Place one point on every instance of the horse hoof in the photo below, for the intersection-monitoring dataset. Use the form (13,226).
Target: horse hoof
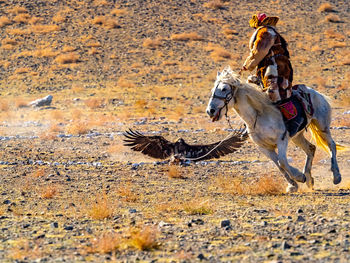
(301,178)
(292,188)
(337,179)
(310,183)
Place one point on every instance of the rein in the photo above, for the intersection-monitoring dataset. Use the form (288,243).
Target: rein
(226,100)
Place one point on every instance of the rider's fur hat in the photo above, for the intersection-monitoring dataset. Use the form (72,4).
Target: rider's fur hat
(261,19)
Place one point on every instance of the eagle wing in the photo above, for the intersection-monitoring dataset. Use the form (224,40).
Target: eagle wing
(217,149)
(153,146)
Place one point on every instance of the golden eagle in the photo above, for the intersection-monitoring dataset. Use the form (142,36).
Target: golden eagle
(159,147)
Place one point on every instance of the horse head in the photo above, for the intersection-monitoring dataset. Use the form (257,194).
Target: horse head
(222,94)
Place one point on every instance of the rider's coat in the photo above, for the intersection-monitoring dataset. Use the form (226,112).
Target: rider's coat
(268,52)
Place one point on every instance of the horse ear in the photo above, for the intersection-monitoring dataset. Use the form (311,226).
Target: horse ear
(218,74)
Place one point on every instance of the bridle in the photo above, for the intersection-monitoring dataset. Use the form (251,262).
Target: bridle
(226,99)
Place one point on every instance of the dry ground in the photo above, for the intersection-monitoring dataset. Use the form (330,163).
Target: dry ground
(71,192)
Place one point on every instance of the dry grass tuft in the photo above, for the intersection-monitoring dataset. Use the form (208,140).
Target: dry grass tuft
(119,12)
(105,243)
(144,239)
(266,184)
(198,207)
(218,53)
(4,21)
(325,7)
(106,22)
(174,172)
(67,58)
(39,172)
(21,103)
(44,29)
(18,10)
(229,33)
(151,43)
(192,36)
(22,70)
(23,251)
(124,83)
(94,103)
(22,18)
(125,191)
(101,208)
(214,4)
(4,105)
(330,33)
(48,192)
(78,128)
(332,19)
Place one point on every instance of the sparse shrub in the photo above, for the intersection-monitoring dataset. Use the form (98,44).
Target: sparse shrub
(67,58)
(192,36)
(214,4)
(151,43)
(332,19)
(101,208)
(144,239)
(325,7)
(106,22)
(105,243)
(4,21)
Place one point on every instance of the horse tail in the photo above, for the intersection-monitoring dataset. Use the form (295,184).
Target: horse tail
(320,140)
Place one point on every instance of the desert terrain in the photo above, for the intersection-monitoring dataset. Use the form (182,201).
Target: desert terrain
(71,192)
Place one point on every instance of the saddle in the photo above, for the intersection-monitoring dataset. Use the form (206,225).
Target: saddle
(296,110)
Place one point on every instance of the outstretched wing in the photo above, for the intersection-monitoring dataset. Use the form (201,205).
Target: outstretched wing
(217,149)
(154,146)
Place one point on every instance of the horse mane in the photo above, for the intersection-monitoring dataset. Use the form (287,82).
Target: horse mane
(259,99)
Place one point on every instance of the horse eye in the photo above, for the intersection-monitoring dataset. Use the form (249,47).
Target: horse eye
(224,89)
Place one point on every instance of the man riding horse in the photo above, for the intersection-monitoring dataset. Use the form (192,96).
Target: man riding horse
(269,53)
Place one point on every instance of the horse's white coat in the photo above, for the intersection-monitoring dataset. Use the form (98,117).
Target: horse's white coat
(266,127)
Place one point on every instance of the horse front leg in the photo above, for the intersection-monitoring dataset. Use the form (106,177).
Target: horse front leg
(309,150)
(283,162)
(292,185)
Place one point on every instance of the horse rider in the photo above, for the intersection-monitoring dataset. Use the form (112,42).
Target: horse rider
(269,54)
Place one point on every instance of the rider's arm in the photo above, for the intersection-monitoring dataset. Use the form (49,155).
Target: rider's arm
(265,39)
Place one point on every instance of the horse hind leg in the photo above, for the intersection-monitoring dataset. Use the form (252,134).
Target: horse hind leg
(309,149)
(323,136)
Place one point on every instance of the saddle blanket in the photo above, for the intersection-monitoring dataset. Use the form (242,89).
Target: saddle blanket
(293,114)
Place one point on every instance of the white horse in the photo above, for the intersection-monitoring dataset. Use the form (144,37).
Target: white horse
(267,129)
